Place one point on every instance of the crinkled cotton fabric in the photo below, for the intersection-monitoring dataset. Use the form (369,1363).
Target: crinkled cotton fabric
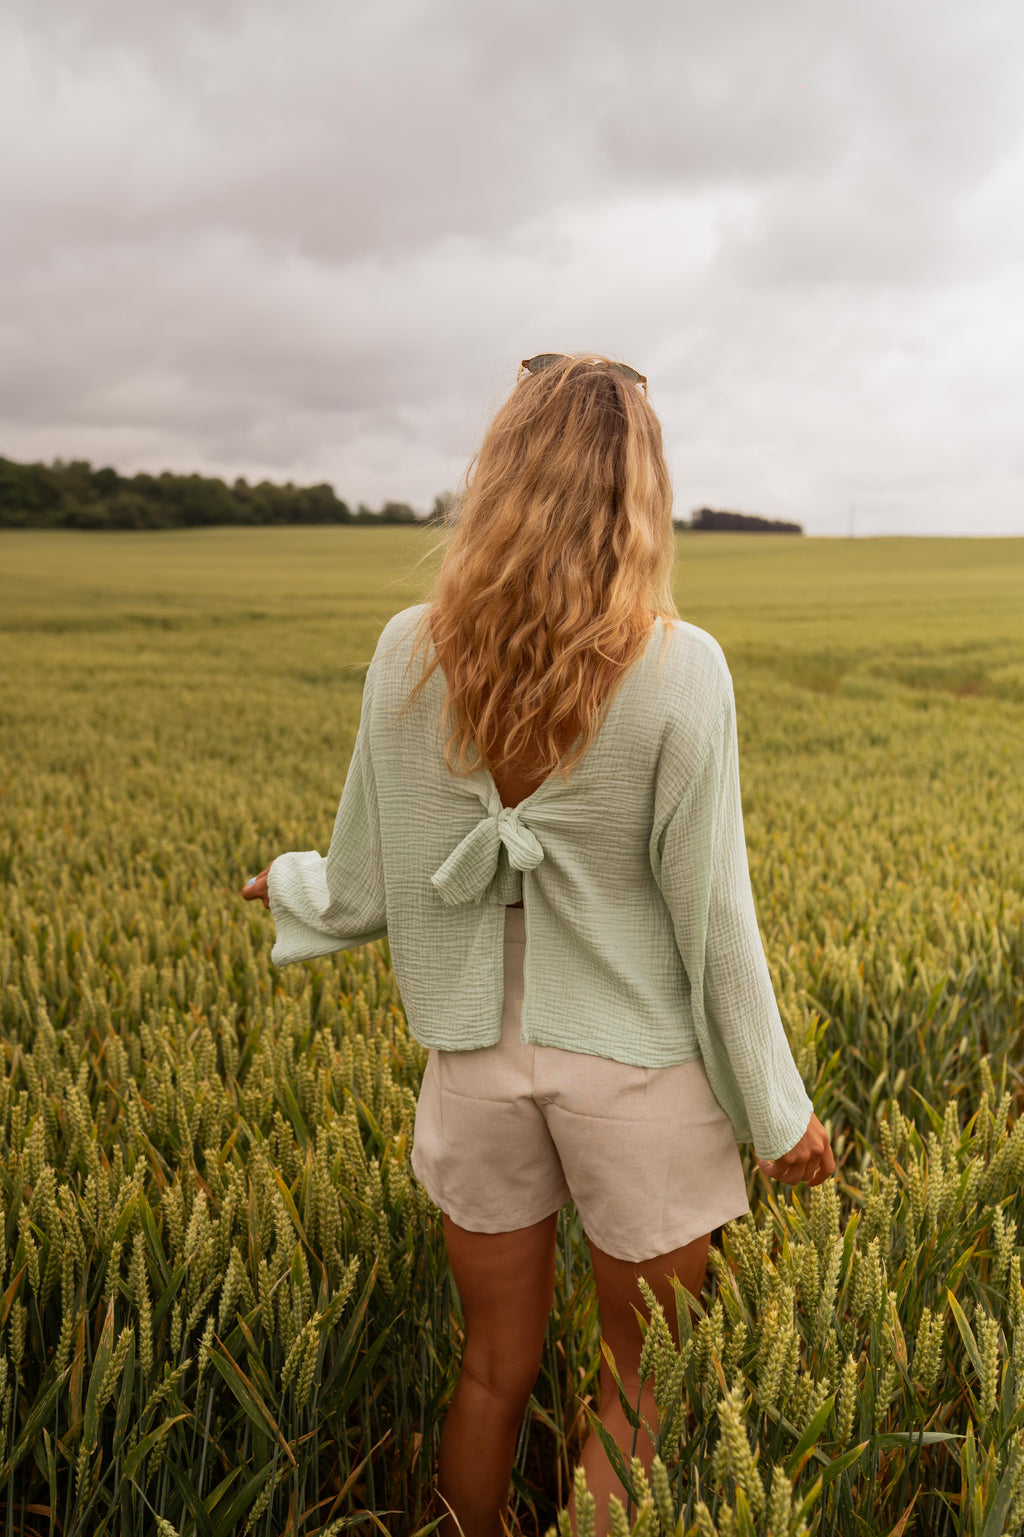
(642,942)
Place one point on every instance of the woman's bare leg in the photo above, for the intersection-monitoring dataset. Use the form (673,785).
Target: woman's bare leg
(506,1283)
(617,1295)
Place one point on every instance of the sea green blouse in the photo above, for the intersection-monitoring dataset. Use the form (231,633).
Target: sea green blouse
(642,942)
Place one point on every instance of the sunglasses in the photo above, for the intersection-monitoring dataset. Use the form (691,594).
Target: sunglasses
(546,359)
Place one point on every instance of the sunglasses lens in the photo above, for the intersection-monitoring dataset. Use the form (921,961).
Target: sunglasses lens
(542,360)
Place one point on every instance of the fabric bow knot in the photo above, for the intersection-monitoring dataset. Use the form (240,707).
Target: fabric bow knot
(472,864)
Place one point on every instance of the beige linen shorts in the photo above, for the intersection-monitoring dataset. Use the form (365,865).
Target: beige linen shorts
(507,1134)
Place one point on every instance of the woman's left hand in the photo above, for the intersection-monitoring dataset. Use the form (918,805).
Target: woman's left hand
(257,887)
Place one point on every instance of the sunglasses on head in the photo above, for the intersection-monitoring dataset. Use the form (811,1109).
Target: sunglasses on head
(544,360)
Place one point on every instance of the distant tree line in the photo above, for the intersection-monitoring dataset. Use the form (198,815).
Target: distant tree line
(74,495)
(706,521)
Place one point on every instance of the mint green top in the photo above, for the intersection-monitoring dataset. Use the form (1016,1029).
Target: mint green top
(641,937)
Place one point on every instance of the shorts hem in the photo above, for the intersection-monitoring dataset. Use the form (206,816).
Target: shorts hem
(508,1224)
(667,1246)
(505,1224)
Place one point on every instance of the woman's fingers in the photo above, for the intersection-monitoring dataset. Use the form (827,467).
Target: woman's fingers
(810,1162)
(810,1171)
(256,888)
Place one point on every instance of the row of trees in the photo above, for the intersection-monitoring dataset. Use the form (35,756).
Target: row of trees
(707,521)
(74,495)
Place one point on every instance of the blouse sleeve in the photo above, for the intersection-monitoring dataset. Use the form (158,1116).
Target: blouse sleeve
(705,880)
(320,905)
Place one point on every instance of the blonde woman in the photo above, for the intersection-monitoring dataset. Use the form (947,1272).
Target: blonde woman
(542,813)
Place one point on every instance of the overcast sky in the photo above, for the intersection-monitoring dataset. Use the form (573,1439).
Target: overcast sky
(311,241)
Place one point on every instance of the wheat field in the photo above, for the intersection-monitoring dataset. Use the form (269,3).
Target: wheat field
(225,1305)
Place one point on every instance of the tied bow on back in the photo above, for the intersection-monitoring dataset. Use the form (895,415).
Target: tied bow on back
(472,864)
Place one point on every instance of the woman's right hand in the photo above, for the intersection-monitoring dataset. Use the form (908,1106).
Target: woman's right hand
(811,1160)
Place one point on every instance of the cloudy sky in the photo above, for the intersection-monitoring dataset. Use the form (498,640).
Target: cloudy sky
(312,241)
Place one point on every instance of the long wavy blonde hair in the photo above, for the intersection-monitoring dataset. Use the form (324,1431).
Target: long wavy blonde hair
(559,557)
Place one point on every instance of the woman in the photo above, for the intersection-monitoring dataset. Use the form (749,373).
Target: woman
(546,823)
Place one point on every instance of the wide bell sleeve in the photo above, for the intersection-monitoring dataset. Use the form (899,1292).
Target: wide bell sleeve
(324,904)
(701,863)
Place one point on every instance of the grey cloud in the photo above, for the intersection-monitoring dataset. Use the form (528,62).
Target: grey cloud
(364,128)
(313,240)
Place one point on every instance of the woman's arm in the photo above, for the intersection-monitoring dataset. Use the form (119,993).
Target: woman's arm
(705,880)
(324,904)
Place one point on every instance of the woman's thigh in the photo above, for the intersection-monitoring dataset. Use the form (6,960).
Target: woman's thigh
(618,1294)
(506,1284)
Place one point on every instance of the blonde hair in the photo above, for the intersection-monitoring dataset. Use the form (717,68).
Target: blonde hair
(560,556)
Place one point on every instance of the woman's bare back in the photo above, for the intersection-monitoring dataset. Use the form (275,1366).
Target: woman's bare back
(514,785)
